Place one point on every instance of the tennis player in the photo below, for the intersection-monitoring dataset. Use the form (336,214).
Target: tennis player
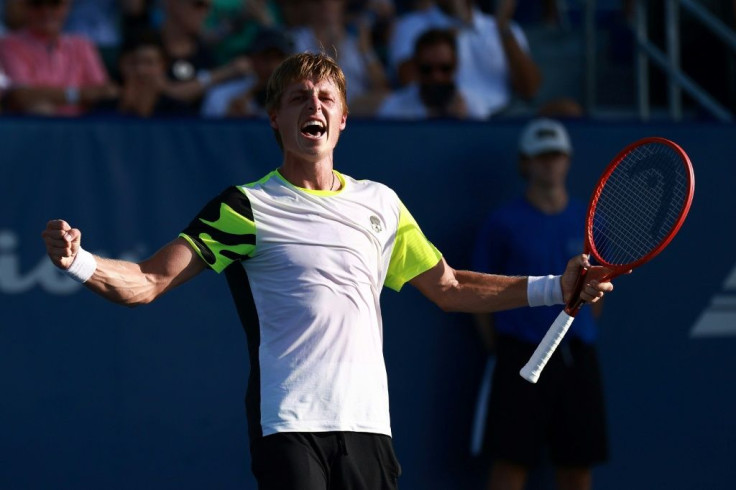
(306,251)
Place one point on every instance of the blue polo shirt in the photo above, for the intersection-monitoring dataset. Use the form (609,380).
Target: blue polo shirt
(518,239)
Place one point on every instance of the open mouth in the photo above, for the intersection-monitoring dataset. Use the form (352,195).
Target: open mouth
(313,129)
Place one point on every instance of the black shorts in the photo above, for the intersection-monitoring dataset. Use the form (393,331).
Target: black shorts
(322,460)
(562,415)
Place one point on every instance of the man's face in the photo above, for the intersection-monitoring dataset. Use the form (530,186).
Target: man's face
(435,64)
(150,66)
(548,169)
(47,17)
(309,118)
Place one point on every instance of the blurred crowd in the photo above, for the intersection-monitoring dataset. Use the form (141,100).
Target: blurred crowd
(410,59)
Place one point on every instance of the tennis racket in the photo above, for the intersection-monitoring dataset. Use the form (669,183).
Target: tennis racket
(637,207)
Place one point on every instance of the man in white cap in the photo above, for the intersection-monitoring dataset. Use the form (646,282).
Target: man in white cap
(563,415)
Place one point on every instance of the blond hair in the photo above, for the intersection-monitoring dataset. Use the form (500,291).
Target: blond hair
(304,66)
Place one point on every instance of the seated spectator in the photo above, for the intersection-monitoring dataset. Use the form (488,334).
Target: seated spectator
(142,68)
(247,96)
(52,73)
(327,31)
(434,93)
(108,22)
(493,52)
(192,67)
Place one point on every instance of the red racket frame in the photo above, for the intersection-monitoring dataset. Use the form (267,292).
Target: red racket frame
(589,247)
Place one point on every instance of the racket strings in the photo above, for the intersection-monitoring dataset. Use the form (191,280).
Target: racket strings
(629,221)
(639,204)
(628,209)
(631,228)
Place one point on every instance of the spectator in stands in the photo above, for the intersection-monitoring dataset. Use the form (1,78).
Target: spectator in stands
(137,17)
(13,13)
(379,17)
(563,414)
(98,21)
(232,25)
(52,73)
(327,30)
(142,67)
(108,23)
(247,96)
(434,93)
(493,52)
(192,69)
(291,12)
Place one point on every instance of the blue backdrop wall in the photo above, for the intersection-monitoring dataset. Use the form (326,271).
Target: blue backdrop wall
(93,395)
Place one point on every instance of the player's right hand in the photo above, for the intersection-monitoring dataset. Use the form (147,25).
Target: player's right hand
(62,242)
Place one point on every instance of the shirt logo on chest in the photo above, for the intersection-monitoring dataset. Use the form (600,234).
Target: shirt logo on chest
(376,224)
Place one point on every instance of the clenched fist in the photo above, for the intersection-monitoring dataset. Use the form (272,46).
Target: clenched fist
(62,242)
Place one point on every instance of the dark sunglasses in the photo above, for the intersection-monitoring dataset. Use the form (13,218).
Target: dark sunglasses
(46,3)
(428,68)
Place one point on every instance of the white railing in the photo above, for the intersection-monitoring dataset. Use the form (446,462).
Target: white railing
(669,62)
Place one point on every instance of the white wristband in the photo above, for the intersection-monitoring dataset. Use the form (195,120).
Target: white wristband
(544,291)
(83,266)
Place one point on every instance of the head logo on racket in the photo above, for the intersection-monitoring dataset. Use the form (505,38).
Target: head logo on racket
(637,207)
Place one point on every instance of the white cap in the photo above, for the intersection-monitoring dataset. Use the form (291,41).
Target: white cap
(544,135)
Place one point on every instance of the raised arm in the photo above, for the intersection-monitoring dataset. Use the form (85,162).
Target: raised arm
(473,292)
(526,77)
(37,99)
(123,282)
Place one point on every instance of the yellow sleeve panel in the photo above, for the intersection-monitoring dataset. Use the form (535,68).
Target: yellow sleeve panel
(412,253)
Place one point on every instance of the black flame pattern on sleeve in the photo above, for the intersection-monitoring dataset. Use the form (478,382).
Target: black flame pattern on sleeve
(227,238)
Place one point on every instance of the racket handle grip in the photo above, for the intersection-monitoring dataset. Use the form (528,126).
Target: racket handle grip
(546,347)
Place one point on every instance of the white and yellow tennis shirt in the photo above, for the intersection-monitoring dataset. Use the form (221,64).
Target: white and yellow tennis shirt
(306,269)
